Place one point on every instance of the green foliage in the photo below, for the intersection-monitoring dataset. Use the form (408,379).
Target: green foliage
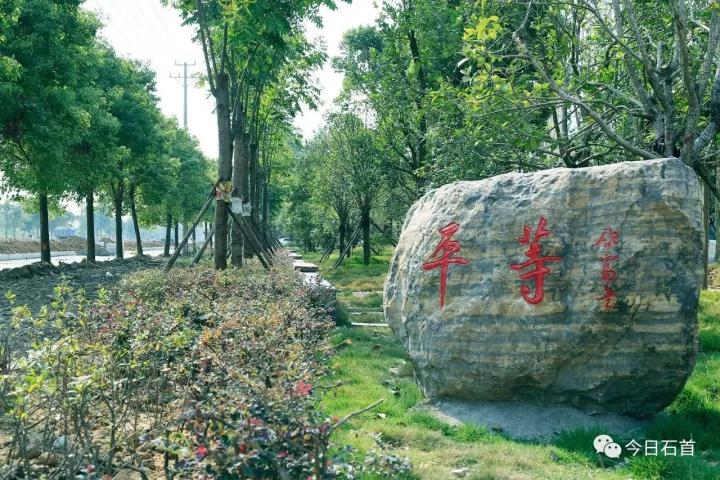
(75,119)
(47,105)
(336,177)
(179,180)
(198,373)
(467,90)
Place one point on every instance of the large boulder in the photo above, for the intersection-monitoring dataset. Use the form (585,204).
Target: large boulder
(567,286)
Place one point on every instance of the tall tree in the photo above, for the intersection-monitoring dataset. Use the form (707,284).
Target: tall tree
(42,112)
(240,60)
(615,81)
(394,69)
(139,139)
(355,147)
(92,159)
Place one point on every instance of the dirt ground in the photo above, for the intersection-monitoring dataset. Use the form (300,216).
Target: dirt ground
(35,287)
(32,246)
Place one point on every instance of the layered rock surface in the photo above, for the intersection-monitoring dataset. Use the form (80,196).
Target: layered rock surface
(611,326)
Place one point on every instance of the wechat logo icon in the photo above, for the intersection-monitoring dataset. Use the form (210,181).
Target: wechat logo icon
(604,444)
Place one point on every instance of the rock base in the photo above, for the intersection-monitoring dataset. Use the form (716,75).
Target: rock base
(528,421)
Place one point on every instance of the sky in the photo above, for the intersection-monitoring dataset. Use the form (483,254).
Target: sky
(146,30)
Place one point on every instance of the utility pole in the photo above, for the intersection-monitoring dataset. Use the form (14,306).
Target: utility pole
(184,77)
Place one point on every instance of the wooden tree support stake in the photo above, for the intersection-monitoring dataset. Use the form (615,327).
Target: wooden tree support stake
(251,238)
(377,227)
(205,244)
(262,239)
(328,251)
(348,246)
(185,239)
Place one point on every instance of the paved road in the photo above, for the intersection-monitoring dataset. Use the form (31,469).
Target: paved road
(6,264)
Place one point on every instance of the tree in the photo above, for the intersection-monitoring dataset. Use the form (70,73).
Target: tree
(42,112)
(93,157)
(240,61)
(12,217)
(332,185)
(618,81)
(355,147)
(394,70)
(139,157)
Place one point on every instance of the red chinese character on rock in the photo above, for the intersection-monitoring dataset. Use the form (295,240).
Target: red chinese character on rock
(608,240)
(444,255)
(533,254)
(608,274)
(608,298)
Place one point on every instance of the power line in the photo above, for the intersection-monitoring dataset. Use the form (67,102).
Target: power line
(115,18)
(139,18)
(158,15)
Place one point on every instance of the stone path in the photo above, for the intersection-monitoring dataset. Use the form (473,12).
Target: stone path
(374,313)
(304,267)
(310,274)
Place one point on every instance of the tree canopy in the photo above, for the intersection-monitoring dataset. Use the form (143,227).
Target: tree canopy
(77,121)
(465,90)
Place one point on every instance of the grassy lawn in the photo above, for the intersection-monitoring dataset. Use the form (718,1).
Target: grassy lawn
(371,365)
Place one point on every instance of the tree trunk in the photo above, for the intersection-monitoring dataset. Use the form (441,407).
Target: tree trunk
(185,231)
(44,229)
(224,169)
(168,234)
(240,189)
(266,204)
(343,233)
(706,228)
(366,234)
(177,240)
(419,103)
(90,221)
(717,218)
(136,224)
(118,221)
(253,171)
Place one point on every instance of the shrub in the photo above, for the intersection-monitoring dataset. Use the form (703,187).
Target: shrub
(195,374)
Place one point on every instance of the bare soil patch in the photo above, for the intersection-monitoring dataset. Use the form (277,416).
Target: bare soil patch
(34,284)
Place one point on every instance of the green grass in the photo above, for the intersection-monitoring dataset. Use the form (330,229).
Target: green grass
(372,364)
(372,300)
(353,276)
